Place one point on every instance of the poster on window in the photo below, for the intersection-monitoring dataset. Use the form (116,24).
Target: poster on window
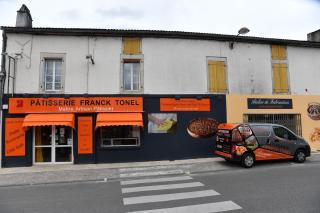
(162,122)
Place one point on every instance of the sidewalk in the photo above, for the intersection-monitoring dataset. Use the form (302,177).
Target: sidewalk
(47,174)
(66,173)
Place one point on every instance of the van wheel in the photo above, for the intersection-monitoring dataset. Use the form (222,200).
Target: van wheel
(300,156)
(247,160)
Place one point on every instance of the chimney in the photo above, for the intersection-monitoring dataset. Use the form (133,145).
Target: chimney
(314,36)
(24,18)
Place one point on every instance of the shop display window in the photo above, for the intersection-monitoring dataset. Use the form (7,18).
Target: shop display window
(119,136)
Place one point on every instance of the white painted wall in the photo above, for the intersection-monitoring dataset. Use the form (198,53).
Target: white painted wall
(171,66)
(304,70)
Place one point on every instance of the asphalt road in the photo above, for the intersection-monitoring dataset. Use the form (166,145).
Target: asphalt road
(268,187)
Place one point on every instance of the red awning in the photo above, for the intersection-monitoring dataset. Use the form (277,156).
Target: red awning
(48,120)
(119,119)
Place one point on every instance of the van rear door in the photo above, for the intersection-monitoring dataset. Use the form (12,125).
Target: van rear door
(223,142)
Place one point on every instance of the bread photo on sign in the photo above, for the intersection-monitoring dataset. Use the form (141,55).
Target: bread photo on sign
(202,127)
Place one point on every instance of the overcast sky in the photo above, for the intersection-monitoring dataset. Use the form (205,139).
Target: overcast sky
(289,19)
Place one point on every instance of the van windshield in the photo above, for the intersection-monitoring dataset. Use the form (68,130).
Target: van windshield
(261,131)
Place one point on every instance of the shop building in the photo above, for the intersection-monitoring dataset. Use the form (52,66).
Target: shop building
(95,95)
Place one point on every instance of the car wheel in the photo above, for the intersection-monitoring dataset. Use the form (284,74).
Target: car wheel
(300,156)
(247,160)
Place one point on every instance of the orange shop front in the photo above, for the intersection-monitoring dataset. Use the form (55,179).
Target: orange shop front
(58,130)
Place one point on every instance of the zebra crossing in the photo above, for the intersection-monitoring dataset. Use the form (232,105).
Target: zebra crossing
(149,194)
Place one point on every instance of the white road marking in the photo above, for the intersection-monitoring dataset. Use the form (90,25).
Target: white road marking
(155,173)
(155,180)
(161,187)
(201,208)
(169,197)
(122,170)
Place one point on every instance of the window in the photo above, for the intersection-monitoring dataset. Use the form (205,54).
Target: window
(119,136)
(131,75)
(280,78)
(131,46)
(283,133)
(261,131)
(279,69)
(52,73)
(217,77)
(131,66)
(279,52)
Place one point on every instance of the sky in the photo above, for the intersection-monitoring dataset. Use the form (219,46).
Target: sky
(287,19)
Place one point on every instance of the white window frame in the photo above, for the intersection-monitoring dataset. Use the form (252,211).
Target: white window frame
(51,56)
(124,59)
(215,58)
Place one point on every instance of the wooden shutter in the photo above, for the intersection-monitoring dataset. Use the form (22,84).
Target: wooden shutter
(279,52)
(131,46)
(280,78)
(217,76)
(284,78)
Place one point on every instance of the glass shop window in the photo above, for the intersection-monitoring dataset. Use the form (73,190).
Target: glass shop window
(119,136)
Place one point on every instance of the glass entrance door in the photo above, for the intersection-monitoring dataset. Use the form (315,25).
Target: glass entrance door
(53,144)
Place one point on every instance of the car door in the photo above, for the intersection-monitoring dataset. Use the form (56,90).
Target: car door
(282,140)
(262,133)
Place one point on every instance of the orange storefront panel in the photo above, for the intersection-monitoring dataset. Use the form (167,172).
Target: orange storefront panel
(185,104)
(15,144)
(85,143)
(75,105)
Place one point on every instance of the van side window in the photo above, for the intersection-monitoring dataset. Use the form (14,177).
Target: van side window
(261,131)
(283,133)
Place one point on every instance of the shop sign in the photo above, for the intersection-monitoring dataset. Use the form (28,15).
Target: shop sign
(85,145)
(269,103)
(185,104)
(76,105)
(14,137)
(314,111)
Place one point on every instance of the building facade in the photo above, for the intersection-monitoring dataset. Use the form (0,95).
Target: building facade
(94,95)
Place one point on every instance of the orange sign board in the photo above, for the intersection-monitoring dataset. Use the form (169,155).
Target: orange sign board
(15,144)
(185,104)
(76,104)
(85,144)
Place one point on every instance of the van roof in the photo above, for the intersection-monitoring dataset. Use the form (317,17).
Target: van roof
(234,125)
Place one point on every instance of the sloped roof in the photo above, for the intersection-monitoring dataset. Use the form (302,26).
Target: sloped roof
(156,34)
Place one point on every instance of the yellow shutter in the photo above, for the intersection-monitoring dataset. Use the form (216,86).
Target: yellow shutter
(284,78)
(131,46)
(280,78)
(282,53)
(217,76)
(274,51)
(212,72)
(278,52)
(276,78)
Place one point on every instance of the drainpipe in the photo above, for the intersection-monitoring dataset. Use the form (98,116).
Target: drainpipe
(2,83)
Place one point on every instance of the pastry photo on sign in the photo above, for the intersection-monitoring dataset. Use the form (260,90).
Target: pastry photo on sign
(162,122)
(202,127)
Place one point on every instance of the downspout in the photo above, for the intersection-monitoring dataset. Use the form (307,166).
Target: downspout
(2,84)
(3,67)
(88,67)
